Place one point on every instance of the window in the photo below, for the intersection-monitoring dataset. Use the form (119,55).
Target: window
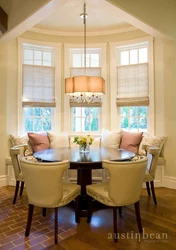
(38,99)
(86,119)
(37,119)
(85,116)
(134,118)
(133,86)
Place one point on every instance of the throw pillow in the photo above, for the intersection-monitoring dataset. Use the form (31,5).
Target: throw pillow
(96,143)
(157,141)
(130,141)
(58,140)
(38,141)
(110,138)
(21,140)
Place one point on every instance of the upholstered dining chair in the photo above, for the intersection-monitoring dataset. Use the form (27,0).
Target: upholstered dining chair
(122,189)
(15,153)
(45,188)
(153,156)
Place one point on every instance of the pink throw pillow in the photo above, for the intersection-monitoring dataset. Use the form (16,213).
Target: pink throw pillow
(130,141)
(38,141)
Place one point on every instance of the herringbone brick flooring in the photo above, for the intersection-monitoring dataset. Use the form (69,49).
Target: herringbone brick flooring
(13,223)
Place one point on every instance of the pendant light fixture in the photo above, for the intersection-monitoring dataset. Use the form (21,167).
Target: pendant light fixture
(84,88)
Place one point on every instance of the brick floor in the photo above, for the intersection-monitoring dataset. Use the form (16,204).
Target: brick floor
(13,223)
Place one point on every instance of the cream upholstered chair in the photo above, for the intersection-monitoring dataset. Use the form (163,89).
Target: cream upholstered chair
(153,156)
(123,188)
(46,189)
(15,153)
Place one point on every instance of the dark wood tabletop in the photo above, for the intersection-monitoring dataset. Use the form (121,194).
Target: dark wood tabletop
(95,155)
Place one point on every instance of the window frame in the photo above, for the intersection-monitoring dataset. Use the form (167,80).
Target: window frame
(56,112)
(85,132)
(130,117)
(68,64)
(114,61)
(81,51)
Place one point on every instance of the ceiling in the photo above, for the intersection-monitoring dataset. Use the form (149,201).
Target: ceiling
(66,17)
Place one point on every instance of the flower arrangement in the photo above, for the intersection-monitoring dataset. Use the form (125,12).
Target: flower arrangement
(83,141)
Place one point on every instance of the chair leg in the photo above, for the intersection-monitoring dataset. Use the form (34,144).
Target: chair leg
(16,191)
(120,210)
(89,216)
(21,188)
(115,223)
(153,192)
(44,211)
(29,219)
(148,188)
(56,226)
(77,215)
(138,216)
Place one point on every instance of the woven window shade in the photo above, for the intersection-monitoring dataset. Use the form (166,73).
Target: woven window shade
(132,86)
(38,86)
(90,72)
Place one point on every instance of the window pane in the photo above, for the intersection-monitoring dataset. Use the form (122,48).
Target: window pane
(37,57)
(94,60)
(133,124)
(47,57)
(143,57)
(95,111)
(28,124)
(37,124)
(46,111)
(37,111)
(28,111)
(86,111)
(94,124)
(124,123)
(133,56)
(77,124)
(76,60)
(142,111)
(133,111)
(85,124)
(28,56)
(47,123)
(124,111)
(143,124)
(124,57)
(77,111)
(86,119)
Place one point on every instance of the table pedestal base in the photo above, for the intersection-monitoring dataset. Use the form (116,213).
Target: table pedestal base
(84,178)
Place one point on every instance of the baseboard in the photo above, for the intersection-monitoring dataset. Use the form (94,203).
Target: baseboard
(3,180)
(169,182)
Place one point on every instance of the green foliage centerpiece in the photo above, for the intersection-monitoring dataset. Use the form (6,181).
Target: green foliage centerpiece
(84,142)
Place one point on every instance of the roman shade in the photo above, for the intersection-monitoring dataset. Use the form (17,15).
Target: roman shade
(38,86)
(132,85)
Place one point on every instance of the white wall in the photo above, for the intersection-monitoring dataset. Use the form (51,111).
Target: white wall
(3,98)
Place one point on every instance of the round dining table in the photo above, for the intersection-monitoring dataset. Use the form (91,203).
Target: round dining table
(84,163)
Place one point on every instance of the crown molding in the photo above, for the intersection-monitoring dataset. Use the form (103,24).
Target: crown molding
(93,33)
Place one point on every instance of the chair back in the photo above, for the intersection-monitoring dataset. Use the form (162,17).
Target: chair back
(126,180)
(44,181)
(15,152)
(153,156)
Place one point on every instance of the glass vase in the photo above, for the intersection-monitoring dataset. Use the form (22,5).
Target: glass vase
(84,148)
